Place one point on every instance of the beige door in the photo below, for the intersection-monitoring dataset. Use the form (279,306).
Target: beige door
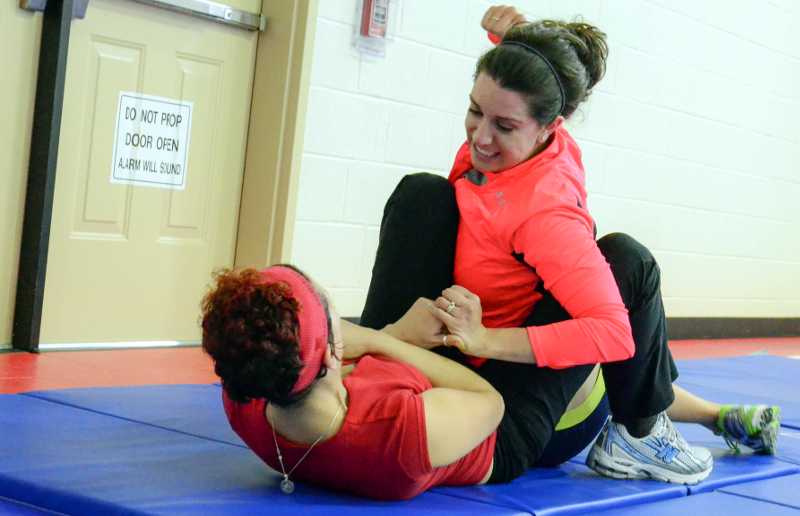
(130,263)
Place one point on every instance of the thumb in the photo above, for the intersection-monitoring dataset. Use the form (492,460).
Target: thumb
(454,341)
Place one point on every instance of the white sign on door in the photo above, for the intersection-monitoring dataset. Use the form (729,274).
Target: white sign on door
(151,143)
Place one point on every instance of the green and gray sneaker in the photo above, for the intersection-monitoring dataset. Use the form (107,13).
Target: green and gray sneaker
(754,426)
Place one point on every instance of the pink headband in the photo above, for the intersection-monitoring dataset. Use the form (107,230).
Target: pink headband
(312,318)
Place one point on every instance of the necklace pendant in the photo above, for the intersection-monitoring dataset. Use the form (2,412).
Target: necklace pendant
(287,486)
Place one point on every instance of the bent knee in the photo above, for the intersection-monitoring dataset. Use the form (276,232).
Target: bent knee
(426,184)
(623,248)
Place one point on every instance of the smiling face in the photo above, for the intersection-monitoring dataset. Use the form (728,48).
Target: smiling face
(500,130)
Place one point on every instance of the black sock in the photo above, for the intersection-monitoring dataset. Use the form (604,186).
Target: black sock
(639,426)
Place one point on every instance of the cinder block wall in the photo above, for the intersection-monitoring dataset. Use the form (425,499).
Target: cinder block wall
(691,142)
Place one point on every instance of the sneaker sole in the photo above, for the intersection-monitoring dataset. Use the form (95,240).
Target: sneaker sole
(615,467)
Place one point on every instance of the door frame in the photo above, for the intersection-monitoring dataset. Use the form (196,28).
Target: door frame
(275,136)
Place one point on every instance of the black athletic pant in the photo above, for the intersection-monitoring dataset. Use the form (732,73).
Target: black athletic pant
(415,259)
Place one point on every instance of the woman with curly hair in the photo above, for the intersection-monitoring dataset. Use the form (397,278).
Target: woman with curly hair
(382,428)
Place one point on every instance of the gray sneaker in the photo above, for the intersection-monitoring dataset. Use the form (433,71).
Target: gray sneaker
(661,455)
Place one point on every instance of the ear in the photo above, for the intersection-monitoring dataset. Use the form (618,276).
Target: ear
(553,126)
(330,361)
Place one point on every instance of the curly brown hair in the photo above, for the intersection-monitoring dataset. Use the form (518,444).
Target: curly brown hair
(251,331)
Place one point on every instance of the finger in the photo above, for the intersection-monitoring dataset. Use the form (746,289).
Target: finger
(444,304)
(466,293)
(460,299)
(519,19)
(458,306)
(455,295)
(488,17)
(454,341)
(504,18)
(461,290)
(442,315)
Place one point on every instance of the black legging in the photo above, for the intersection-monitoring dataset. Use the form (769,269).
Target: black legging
(415,259)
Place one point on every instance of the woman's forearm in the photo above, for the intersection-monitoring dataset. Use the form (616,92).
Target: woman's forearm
(508,345)
(441,372)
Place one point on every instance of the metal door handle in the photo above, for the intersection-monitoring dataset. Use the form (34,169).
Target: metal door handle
(213,11)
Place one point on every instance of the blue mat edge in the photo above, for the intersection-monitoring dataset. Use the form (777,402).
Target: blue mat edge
(697,489)
(588,507)
(26,505)
(772,502)
(11,488)
(35,395)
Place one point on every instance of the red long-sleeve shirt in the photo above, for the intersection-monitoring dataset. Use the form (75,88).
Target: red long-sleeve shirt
(529,224)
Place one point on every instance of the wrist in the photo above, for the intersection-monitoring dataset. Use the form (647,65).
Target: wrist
(485,342)
(395,331)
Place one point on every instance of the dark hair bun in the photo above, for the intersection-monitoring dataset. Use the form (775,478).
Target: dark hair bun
(590,44)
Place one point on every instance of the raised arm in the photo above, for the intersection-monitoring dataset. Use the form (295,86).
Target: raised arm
(461,410)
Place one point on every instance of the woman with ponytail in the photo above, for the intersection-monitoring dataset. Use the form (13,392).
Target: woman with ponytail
(498,267)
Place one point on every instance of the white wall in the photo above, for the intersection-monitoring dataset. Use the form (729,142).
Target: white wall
(691,142)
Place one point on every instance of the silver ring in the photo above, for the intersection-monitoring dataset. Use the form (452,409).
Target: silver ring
(444,340)
(451,308)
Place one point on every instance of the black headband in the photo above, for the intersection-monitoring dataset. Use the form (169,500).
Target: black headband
(549,65)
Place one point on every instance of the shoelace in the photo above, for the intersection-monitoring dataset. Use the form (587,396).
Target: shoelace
(675,439)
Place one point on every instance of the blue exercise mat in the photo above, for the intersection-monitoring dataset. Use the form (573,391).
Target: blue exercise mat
(789,445)
(203,416)
(568,489)
(75,461)
(169,449)
(752,379)
(711,504)
(193,409)
(12,508)
(196,410)
(782,490)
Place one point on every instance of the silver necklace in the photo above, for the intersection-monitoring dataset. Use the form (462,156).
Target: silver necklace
(287,486)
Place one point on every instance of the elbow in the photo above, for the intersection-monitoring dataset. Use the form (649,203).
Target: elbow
(615,341)
(499,406)
(626,347)
(626,334)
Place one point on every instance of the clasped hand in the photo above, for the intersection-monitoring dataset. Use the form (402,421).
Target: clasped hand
(461,313)
(453,319)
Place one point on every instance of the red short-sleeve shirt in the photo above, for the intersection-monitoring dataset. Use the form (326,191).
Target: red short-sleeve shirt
(381,450)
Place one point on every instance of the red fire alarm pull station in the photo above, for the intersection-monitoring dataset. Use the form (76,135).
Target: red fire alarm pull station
(374,17)
(371,28)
